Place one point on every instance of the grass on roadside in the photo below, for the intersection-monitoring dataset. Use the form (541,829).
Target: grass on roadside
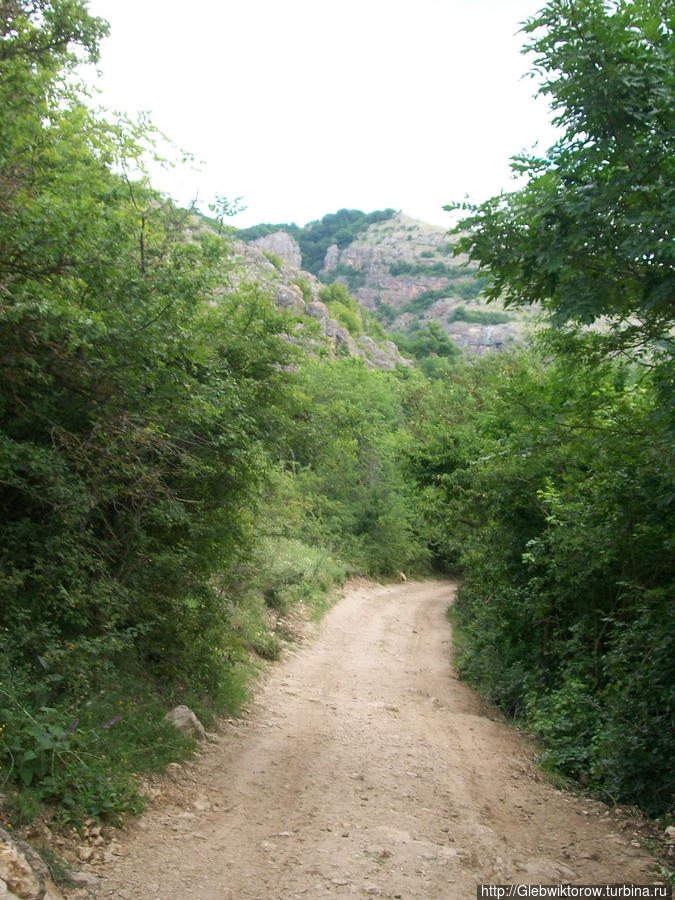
(83,749)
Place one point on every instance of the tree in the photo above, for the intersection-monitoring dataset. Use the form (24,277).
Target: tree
(344,451)
(137,402)
(590,236)
(548,485)
(552,492)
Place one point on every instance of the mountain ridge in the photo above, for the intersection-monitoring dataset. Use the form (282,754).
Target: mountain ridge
(404,273)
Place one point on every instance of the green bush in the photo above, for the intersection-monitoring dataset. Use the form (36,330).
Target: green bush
(634,734)
(546,484)
(85,756)
(305,288)
(426,342)
(480,316)
(343,307)
(274,258)
(551,481)
(138,418)
(345,488)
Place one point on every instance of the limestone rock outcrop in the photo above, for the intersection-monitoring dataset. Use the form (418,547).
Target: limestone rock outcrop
(399,269)
(396,261)
(23,873)
(332,257)
(186,721)
(283,245)
(298,291)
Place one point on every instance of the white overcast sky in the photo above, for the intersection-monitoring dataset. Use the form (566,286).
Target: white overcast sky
(302,107)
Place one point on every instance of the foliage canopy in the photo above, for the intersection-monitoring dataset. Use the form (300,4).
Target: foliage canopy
(548,485)
(590,236)
(138,405)
(547,478)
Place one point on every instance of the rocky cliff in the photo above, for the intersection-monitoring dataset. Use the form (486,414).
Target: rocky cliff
(280,244)
(403,271)
(399,269)
(271,263)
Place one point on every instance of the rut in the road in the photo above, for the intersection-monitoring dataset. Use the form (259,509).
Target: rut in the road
(366,769)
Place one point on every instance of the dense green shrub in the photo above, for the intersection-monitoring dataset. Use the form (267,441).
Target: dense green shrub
(274,258)
(343,487)
(138,413)
(305,288)
(546,484)
(343,307)
(554,491)
(86,755)
(480,316)
(426,342)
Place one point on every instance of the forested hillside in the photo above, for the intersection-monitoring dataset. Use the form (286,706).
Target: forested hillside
(182,458)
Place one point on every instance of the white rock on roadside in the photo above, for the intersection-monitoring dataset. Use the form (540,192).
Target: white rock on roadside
(185,720)
(23,874)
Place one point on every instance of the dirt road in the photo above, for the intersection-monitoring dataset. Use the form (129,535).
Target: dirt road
(365,769)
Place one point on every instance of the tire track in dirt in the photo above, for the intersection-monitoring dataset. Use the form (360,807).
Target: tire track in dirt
(365,768)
